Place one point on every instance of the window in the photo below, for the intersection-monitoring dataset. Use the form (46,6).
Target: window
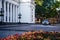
(15,13)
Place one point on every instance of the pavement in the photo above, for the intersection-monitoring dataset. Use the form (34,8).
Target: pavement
(6,30)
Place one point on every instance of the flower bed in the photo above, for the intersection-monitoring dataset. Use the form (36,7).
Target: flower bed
(34,35)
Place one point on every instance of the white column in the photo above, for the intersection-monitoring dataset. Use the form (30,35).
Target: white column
(0,13)
(16,14)
(0,4)
(11,13)
(5,12)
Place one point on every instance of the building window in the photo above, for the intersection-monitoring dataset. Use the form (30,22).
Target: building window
(32,17)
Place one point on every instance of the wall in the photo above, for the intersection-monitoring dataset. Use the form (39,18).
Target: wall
(27,10)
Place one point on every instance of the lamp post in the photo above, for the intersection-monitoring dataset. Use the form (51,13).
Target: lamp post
(19,12)
(19,17)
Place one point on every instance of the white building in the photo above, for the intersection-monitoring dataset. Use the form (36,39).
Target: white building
(27,10)
(9,11)
(12,9)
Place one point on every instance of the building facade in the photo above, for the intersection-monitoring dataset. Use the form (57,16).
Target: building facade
(27,10)
(11,10)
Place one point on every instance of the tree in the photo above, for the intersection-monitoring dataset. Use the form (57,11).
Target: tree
(39,7)
(39,2)
(47,8)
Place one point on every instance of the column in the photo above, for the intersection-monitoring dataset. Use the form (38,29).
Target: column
(0,8)
(7,12)
(0,4)
(11,13)
(16,15)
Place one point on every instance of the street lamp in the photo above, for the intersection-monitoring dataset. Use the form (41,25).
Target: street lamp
(19,12)
(19,17)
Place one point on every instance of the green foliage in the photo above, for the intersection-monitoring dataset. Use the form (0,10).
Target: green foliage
(39,2)
(47,8)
